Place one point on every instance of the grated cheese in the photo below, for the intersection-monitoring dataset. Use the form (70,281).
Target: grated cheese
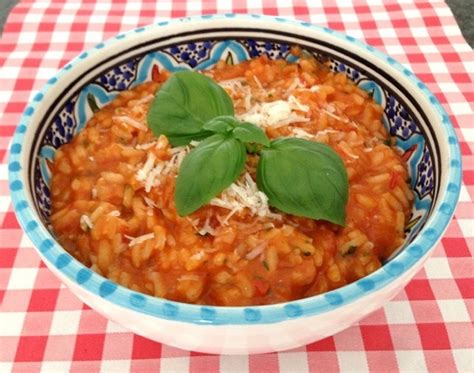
(207,229)
(151,180)
(296,84)
(198,256)
(256,251)
(244,194)
(236,87)
(274,114)
(302,134)
(150,202)
(145,100)
(85,223)
(137,240)
(145,146)
(175,162)
(150,171)
(346,149)
(260,86)
(143,173)
(131,122)
(177,149)
(296,105)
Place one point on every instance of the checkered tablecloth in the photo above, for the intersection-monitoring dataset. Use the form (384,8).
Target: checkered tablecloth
(43,326)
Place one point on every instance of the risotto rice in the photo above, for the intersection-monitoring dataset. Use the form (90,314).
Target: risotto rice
(113,195)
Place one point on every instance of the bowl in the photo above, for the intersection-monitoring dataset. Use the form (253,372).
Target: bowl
(411,113)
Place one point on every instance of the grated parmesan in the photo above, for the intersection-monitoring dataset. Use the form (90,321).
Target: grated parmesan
(150,202)
(260,86)
(145,100)
(151,180)
(137,240)
(256,251)
(330,110)
(296,105)
(296,84)
(198,256)
(302,134)
(131,122)
(178,155)
(145,146)
(274,114)
(207,229)
(143,173)
(85,223)
(150,171)
(241,195)
(236,87)
(346,149)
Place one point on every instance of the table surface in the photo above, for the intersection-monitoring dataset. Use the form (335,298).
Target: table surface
(428,326)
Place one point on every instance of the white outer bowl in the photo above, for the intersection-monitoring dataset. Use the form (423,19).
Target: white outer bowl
(237,330)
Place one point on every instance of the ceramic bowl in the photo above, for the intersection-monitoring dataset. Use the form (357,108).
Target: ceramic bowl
(411,113)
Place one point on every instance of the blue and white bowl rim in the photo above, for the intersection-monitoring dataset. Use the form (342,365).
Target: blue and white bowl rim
(251,315)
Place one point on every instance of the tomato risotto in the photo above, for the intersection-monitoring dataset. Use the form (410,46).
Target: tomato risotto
(113,185)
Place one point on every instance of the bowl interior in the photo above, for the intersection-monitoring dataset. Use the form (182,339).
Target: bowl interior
(97,86)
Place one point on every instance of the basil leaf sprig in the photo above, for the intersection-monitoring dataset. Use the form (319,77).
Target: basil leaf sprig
(184,104)
(207,170)
(304,178)
(299,177)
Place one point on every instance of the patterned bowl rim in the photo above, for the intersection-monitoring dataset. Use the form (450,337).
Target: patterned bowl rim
(93,283)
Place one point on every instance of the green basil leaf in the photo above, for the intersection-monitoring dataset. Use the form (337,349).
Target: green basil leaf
(207,170)
(221,124)
(185,102)
(250,133)
(304,178)
(244,131)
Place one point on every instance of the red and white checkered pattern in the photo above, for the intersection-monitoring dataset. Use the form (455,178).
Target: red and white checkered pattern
(43,326)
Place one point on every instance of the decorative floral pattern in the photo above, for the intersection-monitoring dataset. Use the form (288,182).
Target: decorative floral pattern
(191,53)
(119,77)
(424,180)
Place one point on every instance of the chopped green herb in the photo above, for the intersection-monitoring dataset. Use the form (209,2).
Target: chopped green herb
(351,251)
(265,265)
